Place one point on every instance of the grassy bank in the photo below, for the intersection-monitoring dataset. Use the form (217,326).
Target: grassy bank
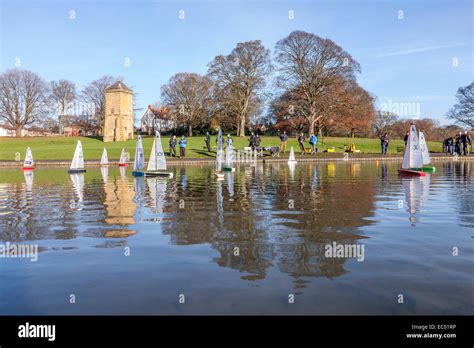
(62,148)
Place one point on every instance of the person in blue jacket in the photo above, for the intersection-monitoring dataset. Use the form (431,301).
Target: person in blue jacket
(182,147)
(313,140)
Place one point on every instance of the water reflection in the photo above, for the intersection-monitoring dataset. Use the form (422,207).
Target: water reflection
(259,223)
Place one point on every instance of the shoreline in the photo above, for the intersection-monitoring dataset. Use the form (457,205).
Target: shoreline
(197,161)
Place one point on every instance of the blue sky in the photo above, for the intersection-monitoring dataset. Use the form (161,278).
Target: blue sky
(421,59)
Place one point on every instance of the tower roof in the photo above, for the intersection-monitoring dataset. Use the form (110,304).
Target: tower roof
(119,85)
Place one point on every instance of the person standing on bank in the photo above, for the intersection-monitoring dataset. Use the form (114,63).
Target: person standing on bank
(301,140)
(405,139)
(384,140)
(229,140)
(172,144)
(208,141)
(182,147)
(465,140)
(252,141)
(283,139)
(313,140)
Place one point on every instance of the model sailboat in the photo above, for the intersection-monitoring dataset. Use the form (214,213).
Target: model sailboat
(29,163)
(157,162)
(229,159)
(123,159)
(139,160)
(219,172)
(77,164)
(425,154)
(412,159)
(104,161)
(292,159)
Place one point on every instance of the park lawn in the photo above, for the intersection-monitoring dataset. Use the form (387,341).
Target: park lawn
(62,148)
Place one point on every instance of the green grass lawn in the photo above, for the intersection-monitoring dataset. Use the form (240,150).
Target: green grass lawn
(62,148)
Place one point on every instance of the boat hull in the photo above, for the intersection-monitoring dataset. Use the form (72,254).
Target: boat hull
(27,168)
(75,171)
(429,168)
(414,171)
(122,165)
(153,173)
(227,169)
(291,162)
(138,173)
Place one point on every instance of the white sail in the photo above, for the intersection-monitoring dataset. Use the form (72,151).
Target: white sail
(292,159)
(105,159)
(123,158)
(139,160)
(229,156)
(78,159)
(157,158)
(425,154)
(219,151)
(29,162)
(412,158)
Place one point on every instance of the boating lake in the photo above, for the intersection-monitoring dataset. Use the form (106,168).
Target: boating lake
(252,243)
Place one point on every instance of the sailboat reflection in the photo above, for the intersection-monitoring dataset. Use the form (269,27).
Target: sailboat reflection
(105,173)
(416,194)
(29,176)
(220,201)
(157,187)
(229,177)
(78,186)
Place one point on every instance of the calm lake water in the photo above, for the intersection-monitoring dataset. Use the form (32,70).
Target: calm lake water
(242,245)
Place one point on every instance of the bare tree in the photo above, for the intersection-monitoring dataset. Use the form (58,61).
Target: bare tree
(239,79)
(188,96)
(63,93)
(23,98)
(463,111)
(384,120)
(94,94)
(310,65)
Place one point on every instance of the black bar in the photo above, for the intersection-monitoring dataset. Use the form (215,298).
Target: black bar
(288,330)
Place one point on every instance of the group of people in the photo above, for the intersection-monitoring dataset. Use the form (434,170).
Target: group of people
(182,146)
(313,141)
(460,144)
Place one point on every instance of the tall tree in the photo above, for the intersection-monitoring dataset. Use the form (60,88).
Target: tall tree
(239,79)
(383,122)
(463,111)
(63,94)
(188,97)
(23,98)
(94,94)
(311,65)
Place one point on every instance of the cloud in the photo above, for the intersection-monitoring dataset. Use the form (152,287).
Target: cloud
(421,49)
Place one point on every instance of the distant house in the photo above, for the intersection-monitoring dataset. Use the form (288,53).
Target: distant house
(6,131)
(69,126)
(155,119)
